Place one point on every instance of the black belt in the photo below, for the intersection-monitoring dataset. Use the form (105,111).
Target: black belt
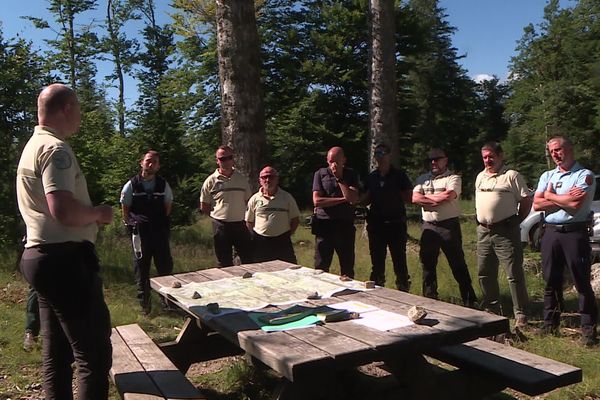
(564,228)
(505,221)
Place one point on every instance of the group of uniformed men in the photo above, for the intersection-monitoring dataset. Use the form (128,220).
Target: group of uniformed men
(60,262)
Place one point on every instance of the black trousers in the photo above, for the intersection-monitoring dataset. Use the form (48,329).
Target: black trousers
(75,320)
(569,250)
(155,245)
(339,236)
(392,235)
(447,236)
(269,248)
(229,235)
(32,319)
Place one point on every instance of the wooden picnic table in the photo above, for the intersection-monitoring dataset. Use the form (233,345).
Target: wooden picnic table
(312,357)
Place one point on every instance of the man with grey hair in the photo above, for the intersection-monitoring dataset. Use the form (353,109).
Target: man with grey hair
(502,201)
(59,260)
(565,195)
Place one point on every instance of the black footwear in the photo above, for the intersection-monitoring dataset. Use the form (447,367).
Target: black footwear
(550,330)
(589,336)
(146,308)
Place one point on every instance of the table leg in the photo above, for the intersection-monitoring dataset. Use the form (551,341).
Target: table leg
(195,344)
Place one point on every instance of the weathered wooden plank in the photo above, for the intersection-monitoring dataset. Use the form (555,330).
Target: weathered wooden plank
(171,382)
(517,369)
(129,377)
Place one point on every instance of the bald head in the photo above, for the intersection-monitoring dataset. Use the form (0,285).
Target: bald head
(58,108)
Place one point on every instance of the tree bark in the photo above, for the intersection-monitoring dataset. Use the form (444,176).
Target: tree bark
(242,110)
(382,97)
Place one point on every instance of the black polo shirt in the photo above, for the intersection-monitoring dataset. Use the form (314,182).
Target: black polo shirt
(324,181)
(386,194)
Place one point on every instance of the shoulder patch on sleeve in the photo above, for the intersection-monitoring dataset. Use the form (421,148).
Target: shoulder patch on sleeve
(589,180)
(61,159)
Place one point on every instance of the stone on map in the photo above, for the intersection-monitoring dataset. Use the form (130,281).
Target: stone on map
(369,284)
(196,295)
(318,271)
(416,313)
(345,278)
(247,275)
(176,284)
(313,296)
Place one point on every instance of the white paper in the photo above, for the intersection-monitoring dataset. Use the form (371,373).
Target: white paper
(383,320)
(354,306)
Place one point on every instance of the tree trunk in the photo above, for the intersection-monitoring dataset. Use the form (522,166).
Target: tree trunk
(115,47)
(382,100)
(242,110)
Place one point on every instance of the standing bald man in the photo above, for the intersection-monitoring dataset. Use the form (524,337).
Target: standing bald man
(60,260)
(335,190)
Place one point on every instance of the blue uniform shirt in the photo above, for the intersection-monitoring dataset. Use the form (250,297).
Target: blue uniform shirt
(562,183)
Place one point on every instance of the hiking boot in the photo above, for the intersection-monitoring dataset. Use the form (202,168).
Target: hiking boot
(30,341)
(589,336)
(549,329)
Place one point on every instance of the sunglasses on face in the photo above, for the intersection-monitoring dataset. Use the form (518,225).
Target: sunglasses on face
(265,177)
(225,158)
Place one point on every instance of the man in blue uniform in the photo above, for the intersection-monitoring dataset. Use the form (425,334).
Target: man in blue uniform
(146,201)
(565,195)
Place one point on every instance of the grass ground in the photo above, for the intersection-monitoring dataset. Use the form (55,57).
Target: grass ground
(20,373)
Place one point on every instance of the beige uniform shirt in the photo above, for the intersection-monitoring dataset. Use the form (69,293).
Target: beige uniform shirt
(227,196)
(428,184)
(497,196)
(272,215)
(48,164)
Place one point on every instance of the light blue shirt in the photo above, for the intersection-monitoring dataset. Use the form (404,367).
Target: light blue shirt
(127,192)
(562,183)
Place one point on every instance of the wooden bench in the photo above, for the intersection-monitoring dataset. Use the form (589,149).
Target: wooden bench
(141,371)
(484,362)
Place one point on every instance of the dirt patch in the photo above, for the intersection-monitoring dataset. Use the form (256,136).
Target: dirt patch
(212,366)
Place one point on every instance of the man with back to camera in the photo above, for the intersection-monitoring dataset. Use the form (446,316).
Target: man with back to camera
(565,194)
(146,201)
(437,193)
(502,201)
(387,190)
(273,216)
(335,190)
(59,260)
(224,196)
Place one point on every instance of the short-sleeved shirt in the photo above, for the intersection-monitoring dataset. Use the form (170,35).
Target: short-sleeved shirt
(48,164)
(562,183)
(386,194)
(325,183)
(428,184)
(497,195)
(272,214)
(127,191)
(226,195)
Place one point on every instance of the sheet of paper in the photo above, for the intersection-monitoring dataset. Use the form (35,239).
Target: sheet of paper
(383,320)
(354,306)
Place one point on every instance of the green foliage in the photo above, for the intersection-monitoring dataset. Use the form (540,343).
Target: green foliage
(555,87)
(21,75)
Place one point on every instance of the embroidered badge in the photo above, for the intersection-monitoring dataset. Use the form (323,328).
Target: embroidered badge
(589,180)
(61,159)
(558,185)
